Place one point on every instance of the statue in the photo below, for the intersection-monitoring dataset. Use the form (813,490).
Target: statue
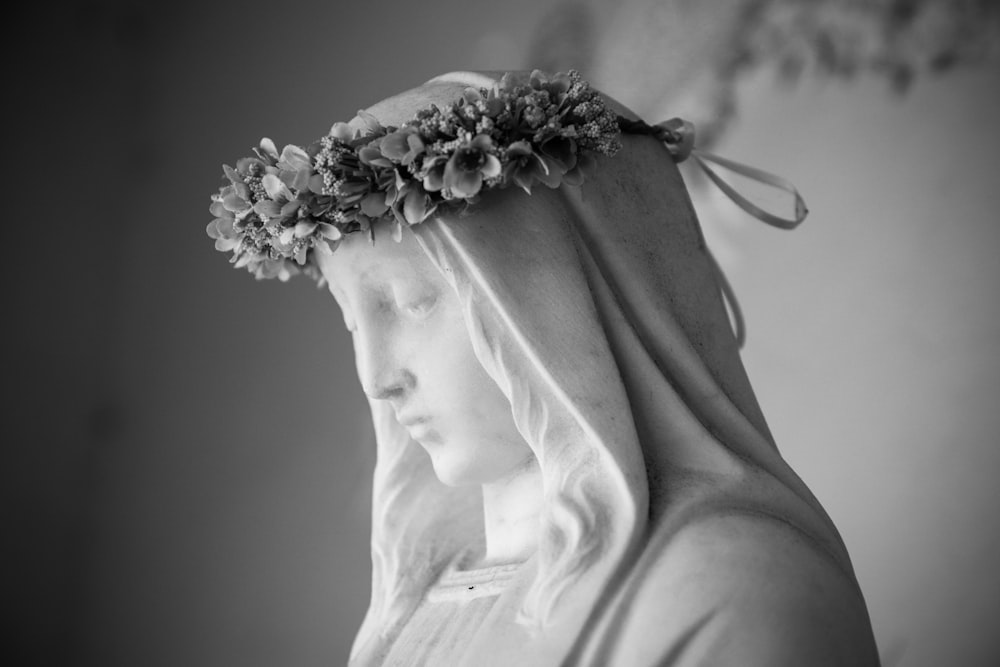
(572,466)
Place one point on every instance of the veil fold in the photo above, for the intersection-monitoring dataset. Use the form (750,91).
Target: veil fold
(597,312)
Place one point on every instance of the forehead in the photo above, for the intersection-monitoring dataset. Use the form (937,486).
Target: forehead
(359,261)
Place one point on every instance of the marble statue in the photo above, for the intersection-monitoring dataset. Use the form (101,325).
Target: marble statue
(572,466)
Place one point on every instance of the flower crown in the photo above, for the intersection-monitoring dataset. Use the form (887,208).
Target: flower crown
(278,209)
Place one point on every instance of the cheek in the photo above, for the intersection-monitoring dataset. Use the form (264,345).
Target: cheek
(454,365)
(459,383)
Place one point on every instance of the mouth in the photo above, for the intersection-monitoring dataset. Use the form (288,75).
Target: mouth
(411,420)
(419,427)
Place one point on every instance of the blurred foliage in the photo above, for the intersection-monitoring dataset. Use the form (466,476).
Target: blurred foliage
(898,39)
(670,57)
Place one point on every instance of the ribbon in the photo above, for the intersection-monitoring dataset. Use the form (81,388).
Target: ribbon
(678,136)
(729,297)
(801,211)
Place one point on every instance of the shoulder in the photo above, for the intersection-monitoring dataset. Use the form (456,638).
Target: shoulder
(741,589)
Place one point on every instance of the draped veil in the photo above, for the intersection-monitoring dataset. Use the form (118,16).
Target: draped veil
(597,312)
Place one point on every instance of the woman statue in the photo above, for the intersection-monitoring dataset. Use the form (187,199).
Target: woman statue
(572,466)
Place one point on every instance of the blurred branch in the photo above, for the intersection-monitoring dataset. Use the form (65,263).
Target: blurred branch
(683,57)
(898,39)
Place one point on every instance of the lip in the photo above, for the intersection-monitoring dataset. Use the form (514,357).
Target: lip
(419,426)
(409,420)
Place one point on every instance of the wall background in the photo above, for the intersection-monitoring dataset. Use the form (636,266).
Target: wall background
(188,458)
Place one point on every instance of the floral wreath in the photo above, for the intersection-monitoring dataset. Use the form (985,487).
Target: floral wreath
(280,209)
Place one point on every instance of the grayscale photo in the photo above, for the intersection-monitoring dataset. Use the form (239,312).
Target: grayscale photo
(561,333)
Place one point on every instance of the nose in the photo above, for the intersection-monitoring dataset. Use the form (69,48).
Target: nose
(383,375)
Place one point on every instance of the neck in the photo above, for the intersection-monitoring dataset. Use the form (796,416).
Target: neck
(511,510)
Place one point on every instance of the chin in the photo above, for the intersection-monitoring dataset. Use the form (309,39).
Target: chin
(452,470)
(454,473)
(458,465)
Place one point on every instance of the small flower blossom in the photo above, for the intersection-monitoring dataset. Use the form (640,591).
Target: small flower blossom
(280,208)
(524,167)
(403,146)
(469,165)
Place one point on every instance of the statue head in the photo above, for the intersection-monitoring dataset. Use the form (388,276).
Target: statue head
(579,328)
(414,354)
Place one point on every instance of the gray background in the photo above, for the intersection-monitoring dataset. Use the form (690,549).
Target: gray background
(188,454)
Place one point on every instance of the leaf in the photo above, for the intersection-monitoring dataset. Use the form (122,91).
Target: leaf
(329,232)
(269,148)
(225,245)
(267,208)
(373,156)
(304,229)
(234,203)
(492,167)
(224,227)
(301,180)
(294,158)
(274,188)
(523,181)
(573,177)
(395,146)
(343,132)
(434,178)
(218,209)
(232,174)
(415,207)
(552,176)
(370,122)
(374,204)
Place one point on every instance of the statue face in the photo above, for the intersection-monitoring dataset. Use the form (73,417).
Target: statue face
(412,350)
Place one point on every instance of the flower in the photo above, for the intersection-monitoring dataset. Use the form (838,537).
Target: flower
(226,237)
(280,205)
(403,146)
(556,86)
(295,168)
(280,208)
(469,165)
(560,153)
(524,166)
(432,174)
(415,206)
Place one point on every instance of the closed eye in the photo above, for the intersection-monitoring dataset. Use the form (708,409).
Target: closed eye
(419,308)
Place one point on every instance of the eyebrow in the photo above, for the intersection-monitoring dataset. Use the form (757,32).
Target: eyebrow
(370,271)
(362,276)
(383,271)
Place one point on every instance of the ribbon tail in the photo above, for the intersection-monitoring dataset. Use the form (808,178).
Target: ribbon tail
(757,175)
(729,299)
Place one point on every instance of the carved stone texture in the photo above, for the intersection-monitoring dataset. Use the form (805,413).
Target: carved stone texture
(572,465)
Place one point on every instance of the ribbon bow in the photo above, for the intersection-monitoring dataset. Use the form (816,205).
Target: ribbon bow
(678,136)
